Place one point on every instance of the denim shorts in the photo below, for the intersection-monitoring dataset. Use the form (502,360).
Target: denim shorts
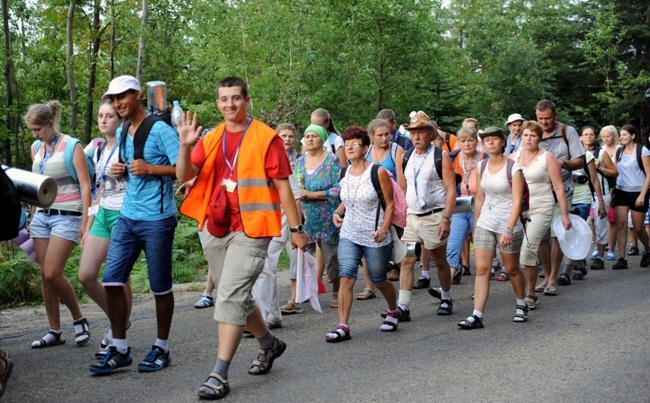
(63,226)
(104,223)
(377,258)
(130,237)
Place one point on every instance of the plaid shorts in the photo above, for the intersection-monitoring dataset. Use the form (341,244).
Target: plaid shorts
(489,240)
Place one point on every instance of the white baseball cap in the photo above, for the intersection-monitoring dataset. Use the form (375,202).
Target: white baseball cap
(120,85)
(513,118)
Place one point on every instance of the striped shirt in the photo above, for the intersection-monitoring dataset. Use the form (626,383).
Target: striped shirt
(146,194)
(69,193)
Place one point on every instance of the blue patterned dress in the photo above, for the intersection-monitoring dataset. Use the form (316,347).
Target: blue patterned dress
(318,213)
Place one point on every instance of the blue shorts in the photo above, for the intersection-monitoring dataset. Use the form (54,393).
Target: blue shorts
(130,237)
(377,258)
(63,226)
(582,210)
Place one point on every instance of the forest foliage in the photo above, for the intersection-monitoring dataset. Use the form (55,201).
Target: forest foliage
(452,58)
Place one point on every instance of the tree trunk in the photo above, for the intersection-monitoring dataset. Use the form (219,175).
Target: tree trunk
(94,51)
(113,29)
(12,120)
(70,71)
(141,47)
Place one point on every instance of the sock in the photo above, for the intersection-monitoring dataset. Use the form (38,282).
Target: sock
(425,274)
(79,325)
(163,344)
(109,334)
(599,257)
(521,302)
(121,345)
(476,313)
(404,300)
(266,341)
(49,337)
(445,295)
(390,319)
(221,368)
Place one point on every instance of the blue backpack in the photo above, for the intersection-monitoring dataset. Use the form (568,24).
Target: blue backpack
(68,156)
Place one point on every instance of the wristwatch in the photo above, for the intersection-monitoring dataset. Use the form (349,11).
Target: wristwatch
(299,229)
(446,218)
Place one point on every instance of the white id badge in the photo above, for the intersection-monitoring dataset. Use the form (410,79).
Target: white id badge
(92,210)
(421,203)
(229,185)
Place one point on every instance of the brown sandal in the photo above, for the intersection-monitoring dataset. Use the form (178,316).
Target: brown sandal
(368,293)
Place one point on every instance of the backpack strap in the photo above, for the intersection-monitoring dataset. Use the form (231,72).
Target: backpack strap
(405,161)
(509,164)
(639,157)
(586,169)
(374,178)
(483,166)
(563,129)
(68,156)
(437,160)
(393,152)
(618,153)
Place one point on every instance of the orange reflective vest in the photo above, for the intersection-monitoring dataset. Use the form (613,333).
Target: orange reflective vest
(259,201)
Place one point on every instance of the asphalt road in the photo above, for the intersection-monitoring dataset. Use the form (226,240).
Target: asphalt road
(590,343)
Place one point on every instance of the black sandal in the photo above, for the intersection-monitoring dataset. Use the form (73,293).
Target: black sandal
(42,343)
(83,337)
(521,318)
(340,334)
(214,392)
(477,323)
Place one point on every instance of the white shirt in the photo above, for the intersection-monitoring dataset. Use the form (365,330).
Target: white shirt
(497,204)
(113,189)
(630,178)
(430,193)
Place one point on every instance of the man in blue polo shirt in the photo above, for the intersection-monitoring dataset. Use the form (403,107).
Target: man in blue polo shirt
(146,223)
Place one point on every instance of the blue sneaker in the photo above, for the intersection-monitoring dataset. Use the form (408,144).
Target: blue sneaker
(112,360)
(611,255)
(155,360)
(595,254)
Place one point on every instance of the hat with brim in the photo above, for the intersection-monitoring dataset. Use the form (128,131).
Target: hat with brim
(493,131)
(575,242)
(121,84)
(513,118)
(420,120)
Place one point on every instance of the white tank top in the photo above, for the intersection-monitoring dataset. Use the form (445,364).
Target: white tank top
(360,199)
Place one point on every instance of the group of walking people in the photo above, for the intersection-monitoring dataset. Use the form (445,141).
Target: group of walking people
(252,193)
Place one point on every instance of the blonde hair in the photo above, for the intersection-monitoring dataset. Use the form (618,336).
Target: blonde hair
(286,126)
(327,118)
(470,120)
(374,125)
(42,114)
(467,132)
(534,127)
(610,129)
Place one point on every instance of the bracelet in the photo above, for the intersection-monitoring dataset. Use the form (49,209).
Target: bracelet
(339,214)
(508,232)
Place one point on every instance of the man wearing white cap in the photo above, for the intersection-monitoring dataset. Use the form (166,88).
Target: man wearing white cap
(514,124)
(148,152)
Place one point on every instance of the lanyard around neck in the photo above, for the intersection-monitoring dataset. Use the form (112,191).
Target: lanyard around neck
(100,177)
(466,172)
(231,164)
(47,154)
(416,173)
